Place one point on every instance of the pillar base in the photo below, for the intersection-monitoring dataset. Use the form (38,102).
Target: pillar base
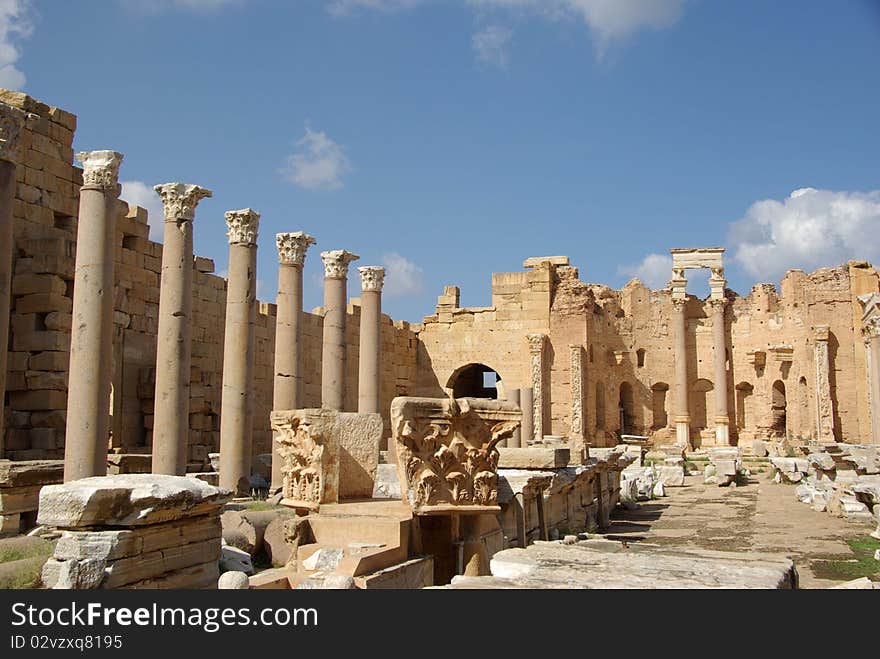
(683,433)
(722,432)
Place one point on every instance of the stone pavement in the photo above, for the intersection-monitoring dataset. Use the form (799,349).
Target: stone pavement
(759,516)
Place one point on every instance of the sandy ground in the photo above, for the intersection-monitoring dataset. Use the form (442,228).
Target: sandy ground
(759,516)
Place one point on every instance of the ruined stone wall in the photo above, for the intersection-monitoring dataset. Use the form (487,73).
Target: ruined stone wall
(45,225)
(774,384)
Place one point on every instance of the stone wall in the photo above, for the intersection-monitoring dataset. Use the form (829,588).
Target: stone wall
(44,229)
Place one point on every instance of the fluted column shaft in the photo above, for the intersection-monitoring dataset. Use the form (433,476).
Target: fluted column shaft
(91,338)
(287,393)
(174,338)
(236,413)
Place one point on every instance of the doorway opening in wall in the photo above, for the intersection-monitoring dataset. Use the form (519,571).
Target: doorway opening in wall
(658,405)
(476,381)
(744,392)
(779,422)
(626,408)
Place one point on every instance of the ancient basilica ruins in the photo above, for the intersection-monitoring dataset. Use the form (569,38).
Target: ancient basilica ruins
(147,401)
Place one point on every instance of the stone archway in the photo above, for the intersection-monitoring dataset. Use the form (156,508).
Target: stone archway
(476,380)
(658,405)
(626,408)
(778,410)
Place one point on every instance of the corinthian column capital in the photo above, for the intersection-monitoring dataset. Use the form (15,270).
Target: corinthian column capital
(372,278)
(536,343)
(179,200)
(100,169)
(242,226)
(292,247)
(336,263)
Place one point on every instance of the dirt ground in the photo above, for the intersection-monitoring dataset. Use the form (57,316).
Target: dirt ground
(758,516)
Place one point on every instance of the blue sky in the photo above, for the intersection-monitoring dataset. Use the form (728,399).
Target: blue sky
(449,139)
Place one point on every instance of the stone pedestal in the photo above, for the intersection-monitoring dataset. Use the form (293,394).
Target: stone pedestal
(236,413)
(91,339)
(174,339)
(336,264)
(369,384)
(287,394)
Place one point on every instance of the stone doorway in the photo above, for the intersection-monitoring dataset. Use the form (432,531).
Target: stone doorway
(476,381)
(778,412)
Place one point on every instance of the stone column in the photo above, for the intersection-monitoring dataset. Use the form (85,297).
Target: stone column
(287,393)
(681,417)
(91,337)
(369,384)
(536,351)
(527,405)
(871,332)
(333,348)
(174,339)
(719,340)
(236,412)
(11,123)
(577,438)
(824,404)
(515,440)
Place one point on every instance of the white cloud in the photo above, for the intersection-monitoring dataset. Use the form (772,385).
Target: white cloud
(143,195)
(490,45)
(809,229)
(15,25)
(319,163)
(609,21)
(654,271)
(402,277)
(341,8)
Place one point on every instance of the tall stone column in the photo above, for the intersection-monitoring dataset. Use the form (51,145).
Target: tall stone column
(287,393)
(236,413)
(824,404)
(577,438)
(515,441)
(536,352)
(871,333)
(336,264)
(11,123)
(174,339)
(527,405)
(91,336)
(369,384)
(682,417)
(719,340)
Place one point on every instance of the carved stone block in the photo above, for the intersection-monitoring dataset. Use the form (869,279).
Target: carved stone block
(446,452)
(326,455)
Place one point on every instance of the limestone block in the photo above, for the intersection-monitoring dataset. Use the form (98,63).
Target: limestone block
(233,580)
(49,361)
(43,303)
(127,500)
(233,559)
(670,475)
(387,482)
(32,472)
(532,458)
(822,461)
(10,523)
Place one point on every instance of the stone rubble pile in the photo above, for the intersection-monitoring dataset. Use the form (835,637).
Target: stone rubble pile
(725,465)
(840,479)
(640,482)
(133,531)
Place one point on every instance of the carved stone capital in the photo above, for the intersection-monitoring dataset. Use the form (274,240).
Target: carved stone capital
(100,169)
(336,263)
(292,247)
(716,304)
(12,122)
(179,200)
(678,304)
(536,343)
(372,278)
(242,226)
(821,332)
(871,329)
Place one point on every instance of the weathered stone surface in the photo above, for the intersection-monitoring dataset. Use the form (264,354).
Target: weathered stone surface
(30,472)
(233,559)
(387,482)
(532,458)
(233,580)
(671,475)
(127,500)
(594,564)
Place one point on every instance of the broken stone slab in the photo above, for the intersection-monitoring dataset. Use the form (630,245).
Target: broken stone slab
(127,500)
(597,564)
(671,475)
(822,461)
(533,458)
(233,559)
(857,584)
(30,472)
(246,529)
(325,558)
(387,484)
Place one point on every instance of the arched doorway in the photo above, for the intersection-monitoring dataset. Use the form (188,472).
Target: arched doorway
(600,407)
(778,416)
(475,381)
(804,411)
(658,405)
(700,404)
(626,409)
